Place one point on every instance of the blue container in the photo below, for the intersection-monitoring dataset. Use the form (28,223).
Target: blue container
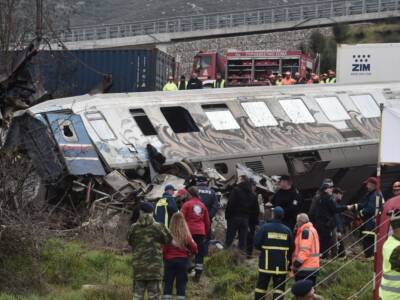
(77,72)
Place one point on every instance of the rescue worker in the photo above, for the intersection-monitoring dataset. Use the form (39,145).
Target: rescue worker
(339,230)
(315,200)
(254,215)
(275,241)
(182,85)
(237,213)
(288,80)
(323,78)
(331,77)
(219,82)
(325,212)
(278,80)
(170,85)
(396,189)
(166,206)
(289,199)
(272,79)
(304,290)
(181,197)
(146,238)
(390,285)
(298,79)
(198,221)
(366,211)
(306,250)
(194,83)
(207,196)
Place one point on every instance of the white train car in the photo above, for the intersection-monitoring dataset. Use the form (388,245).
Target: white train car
(308,131)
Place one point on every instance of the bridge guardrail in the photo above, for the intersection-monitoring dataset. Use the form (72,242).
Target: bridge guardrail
(281,14)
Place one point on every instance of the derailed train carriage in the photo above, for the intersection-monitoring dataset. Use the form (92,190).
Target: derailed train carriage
(310,132)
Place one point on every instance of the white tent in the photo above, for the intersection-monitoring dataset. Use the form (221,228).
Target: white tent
(390,135)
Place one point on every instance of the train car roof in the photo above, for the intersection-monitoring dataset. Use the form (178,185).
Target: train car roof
(85,102)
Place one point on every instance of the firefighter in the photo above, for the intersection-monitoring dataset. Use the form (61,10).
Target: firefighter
(288,80)
(275,241)
(170,85)
(278,81)
(390,285)
(306,250)
(166,206)
(219,82)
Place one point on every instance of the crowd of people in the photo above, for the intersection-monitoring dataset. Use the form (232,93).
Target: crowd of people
(177,231)
(195,83)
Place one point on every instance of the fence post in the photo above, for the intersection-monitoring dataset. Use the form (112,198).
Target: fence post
(379,5)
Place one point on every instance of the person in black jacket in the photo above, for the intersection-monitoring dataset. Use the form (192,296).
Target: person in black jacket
(194,83)
(207,196)
(237,213)
(325,211)
(254,214)
(275,242)
(289,199)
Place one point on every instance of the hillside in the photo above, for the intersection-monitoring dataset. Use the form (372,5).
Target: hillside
(120,11)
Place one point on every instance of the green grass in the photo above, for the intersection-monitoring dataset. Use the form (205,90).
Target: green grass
(67,266)
(376,33)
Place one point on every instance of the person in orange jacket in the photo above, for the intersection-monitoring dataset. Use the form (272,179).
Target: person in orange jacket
(305,260)
(288,80)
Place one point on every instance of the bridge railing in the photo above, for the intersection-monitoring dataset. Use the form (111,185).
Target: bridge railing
(280,14)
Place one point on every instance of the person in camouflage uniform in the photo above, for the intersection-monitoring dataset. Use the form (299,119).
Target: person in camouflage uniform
(146,237)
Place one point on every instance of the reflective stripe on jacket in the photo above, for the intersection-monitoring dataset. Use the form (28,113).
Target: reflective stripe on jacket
(221,85)
(390,285)
(161,212)
(275,242)
(306,248)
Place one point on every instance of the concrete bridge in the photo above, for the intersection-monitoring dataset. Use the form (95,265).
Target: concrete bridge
(166,31)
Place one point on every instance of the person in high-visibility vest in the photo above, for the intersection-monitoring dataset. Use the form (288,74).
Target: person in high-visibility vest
(219,82)
(331,77)
(170,85)
(279,80)
(390,284)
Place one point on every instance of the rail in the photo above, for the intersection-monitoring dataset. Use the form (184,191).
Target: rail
(280,14)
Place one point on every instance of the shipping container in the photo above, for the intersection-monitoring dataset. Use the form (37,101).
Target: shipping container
(77,72)
(364,63)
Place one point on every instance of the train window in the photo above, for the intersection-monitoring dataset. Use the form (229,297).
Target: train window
(143,122)
(297,111)
(221,168)
(220,117)
(332,108)
(101,126)
(68,131)
(366,105)
(179,119)
(259,114)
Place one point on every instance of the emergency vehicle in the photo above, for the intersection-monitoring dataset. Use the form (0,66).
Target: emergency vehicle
(248,68)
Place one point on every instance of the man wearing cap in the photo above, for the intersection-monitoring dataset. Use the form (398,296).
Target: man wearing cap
(275,241)
(166,206)
(207,196)
(390,285)
(289,199)
(366,211)
(146,237)
(304,290)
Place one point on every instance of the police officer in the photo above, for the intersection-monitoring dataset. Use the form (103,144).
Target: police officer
(207,196)
(274,240)
(390,285)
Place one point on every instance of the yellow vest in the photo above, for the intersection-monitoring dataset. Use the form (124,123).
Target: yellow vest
(170,86)
(390,285)
(222,85)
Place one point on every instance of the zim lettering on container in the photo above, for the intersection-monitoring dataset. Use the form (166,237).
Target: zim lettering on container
(361,64)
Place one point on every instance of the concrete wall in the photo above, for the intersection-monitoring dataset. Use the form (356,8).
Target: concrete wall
(185,51)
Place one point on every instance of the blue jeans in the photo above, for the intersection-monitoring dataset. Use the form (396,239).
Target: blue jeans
(175,270)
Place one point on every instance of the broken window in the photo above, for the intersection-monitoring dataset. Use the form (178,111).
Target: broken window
(259,114)
(332,108)
(297,111)
(221,168)
(220,117)
(366,105)
(179,119)
(67,130)
(143,122)
(101,126)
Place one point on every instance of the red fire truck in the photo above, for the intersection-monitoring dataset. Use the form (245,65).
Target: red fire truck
(244,68)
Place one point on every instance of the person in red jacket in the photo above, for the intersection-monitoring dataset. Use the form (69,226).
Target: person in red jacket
(176,257)
(198,220)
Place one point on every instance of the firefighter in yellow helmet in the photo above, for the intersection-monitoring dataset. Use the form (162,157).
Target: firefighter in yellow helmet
(390,285)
